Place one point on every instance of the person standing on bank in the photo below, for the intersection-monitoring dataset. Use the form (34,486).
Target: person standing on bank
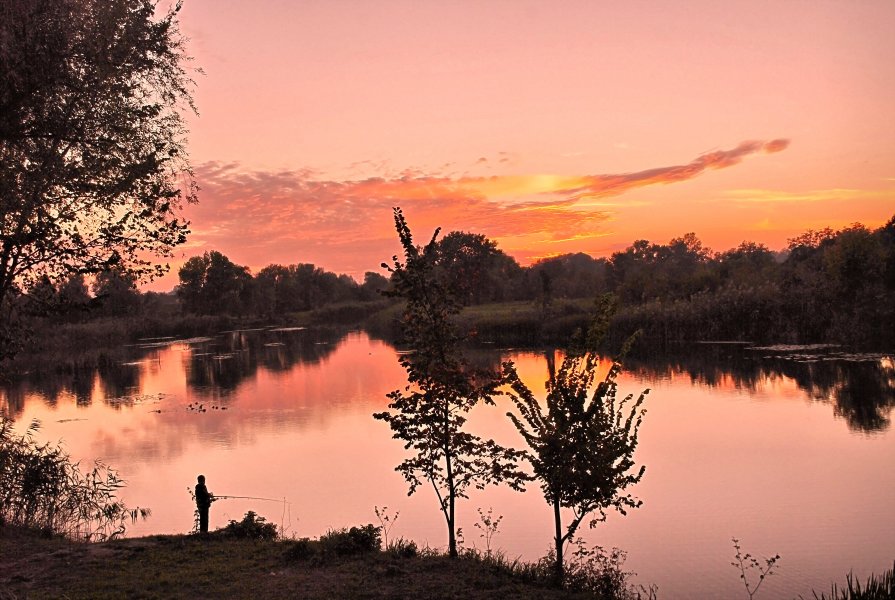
(204,498)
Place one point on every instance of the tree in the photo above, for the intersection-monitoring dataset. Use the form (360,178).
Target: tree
(581,449)
(373,287)
(474,267)
(116,291)
(73,297)
(212,284)
(429,414)
(93,169)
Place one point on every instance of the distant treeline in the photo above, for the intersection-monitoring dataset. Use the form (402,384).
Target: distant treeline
(824,286)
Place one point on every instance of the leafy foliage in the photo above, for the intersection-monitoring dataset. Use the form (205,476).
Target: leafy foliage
(252,527)
(337,543)
(429,414)
(582,445)
(212,284)
(41,488)
(93,168)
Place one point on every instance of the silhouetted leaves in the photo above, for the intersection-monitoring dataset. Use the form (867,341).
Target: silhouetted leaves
(582,442)
(429,414)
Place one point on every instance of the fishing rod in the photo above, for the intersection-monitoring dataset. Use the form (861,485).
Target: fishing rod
(228,497)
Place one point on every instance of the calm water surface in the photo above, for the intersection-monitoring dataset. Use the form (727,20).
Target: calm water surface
(791,452)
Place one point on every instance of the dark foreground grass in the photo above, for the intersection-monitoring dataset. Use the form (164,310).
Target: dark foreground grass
(877,587)
(217,567)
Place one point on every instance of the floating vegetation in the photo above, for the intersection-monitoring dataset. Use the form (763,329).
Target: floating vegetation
(155,345)
(69,420)
(133,363)
(198,407)
(196,340)
(135,399)
(274,344)
(223,356)
(794,347)
(814,353)
(288,329)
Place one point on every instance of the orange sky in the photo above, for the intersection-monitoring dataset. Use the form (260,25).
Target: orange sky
(549,127)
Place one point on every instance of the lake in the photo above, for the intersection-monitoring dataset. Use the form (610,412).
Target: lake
(791,450)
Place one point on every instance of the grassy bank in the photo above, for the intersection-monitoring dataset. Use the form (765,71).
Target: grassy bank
(179,566)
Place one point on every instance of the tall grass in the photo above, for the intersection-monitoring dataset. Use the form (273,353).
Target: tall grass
(41,488)
(878,587)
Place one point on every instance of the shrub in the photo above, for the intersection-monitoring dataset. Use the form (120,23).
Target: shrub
(300,550)
(41,488)
(402,548)
(252,527)
(348,542)
(336,543)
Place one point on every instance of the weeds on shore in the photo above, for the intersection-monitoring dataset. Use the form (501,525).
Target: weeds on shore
(42,488)
(877,587)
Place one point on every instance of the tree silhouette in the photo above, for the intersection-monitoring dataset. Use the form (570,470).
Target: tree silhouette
(430,413)
(581,448)
(212,284)
(93,168)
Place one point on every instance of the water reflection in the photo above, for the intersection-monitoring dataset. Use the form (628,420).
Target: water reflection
(861,387)
(219,365)
(737,442)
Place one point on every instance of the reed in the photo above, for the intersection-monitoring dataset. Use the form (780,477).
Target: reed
(42,488)
(877,587)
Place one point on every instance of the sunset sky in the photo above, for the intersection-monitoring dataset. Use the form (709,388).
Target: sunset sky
(550,127)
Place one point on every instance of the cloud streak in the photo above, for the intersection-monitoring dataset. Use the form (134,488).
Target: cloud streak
(262,217)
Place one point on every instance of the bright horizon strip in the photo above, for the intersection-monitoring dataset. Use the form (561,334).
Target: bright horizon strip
(259,218)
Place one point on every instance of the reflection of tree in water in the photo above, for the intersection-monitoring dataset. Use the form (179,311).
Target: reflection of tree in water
(49,387)
(863,392)
(119,381)
(861,388)
(283,349)
(12,400)
(220,367)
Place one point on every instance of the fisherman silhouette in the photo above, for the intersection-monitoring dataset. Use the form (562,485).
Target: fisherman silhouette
(204,498)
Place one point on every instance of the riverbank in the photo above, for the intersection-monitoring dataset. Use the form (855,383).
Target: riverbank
(185,566)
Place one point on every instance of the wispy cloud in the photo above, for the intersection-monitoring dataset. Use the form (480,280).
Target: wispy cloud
(762,196)
(260,217)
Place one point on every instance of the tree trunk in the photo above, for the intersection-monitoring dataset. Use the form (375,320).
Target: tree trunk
(449,471)
(452,536)
(559,567)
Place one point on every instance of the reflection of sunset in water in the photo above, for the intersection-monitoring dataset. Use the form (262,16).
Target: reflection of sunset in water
(288,416)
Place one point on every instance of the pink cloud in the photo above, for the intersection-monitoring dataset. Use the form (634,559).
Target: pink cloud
(263,217)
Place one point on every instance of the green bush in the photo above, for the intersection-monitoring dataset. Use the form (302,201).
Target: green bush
(402,548)
(252,527)
(348,542)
